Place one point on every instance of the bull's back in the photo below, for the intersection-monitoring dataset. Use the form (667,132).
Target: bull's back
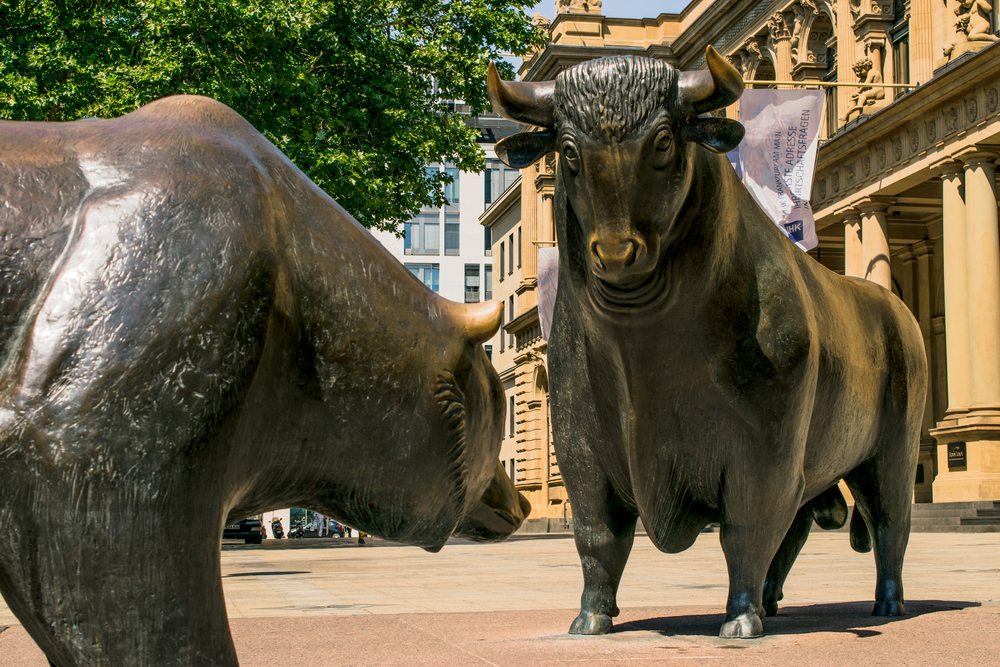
(41,190)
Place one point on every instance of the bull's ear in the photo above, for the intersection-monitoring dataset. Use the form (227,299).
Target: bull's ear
(717,134)
(523,150)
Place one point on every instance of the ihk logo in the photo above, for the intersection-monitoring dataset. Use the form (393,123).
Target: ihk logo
(795,230)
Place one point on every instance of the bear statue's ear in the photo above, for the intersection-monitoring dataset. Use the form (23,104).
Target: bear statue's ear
(523,150)
(716,134)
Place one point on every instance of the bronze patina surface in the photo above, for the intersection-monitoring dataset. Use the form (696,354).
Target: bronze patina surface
(702,367)
(192,333)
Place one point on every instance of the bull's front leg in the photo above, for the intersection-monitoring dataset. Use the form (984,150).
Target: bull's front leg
(757,512)
(603,524)
(604,532)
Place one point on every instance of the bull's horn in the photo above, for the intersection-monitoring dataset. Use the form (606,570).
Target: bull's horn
(530,103)
(717,87)
(480,320)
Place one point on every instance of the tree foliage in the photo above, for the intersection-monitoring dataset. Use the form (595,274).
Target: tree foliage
(354,91)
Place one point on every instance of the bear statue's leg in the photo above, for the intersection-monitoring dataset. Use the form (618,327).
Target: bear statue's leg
(782,562)
(882,489)
(107,579)
(758,508)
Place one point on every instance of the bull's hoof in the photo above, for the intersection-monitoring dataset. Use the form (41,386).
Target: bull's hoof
(770,607)
(889,608)
(591,624)
(745,626)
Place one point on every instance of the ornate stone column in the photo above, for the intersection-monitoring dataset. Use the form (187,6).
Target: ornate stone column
(548,231)
(956,304)
(968,444)
(922,52)
(779,27)
(983,266)
(875,241)
(853,252)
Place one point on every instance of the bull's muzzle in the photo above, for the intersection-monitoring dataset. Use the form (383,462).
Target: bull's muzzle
(619,260)
(499,512)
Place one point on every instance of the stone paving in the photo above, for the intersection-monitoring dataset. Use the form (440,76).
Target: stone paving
(511,603)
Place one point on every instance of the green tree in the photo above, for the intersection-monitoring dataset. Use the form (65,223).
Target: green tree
(354,91)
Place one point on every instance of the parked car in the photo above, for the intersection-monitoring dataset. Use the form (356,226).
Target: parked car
(334,527)
(251,531)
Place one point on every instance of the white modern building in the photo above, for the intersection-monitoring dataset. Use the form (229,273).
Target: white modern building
(447,248)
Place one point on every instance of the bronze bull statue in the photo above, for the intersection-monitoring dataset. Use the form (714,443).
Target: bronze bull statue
(702,368)
(192,333)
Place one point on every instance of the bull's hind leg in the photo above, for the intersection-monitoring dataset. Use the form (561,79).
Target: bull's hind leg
(882,489)
(829,510)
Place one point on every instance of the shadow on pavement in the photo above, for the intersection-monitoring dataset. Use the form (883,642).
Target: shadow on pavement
(843,617)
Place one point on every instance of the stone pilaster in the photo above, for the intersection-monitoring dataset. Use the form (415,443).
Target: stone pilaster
(853,251)
(956,305)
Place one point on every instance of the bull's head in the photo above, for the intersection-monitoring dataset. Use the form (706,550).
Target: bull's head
(626,130)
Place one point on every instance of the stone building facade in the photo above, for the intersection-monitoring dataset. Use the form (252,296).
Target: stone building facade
(904,192)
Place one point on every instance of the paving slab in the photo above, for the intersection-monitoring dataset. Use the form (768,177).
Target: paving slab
(324,602)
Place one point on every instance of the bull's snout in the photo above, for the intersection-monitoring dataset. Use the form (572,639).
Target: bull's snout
(619,260)
(499,513)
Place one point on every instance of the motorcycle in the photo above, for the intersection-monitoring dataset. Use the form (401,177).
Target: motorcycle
(297,531)
(276,529)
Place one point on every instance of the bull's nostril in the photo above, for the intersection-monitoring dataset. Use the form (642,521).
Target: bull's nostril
(596,254)
(631,254)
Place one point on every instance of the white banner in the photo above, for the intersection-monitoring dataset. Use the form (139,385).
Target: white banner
(548,281)
(778,156)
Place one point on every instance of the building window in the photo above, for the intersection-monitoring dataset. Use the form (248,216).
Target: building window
(423,234)
(501,261)
(452,234)
(499,177)
(472,283)
(503,337)
(487,242)
(451,189)
(513,471)
(519,247)
(487,282)
(489,351)
(511,319)
(831,93)
(512,416)
(901,58)
(511,254)
(426,273)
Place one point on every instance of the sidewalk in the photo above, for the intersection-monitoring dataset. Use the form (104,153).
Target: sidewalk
(325,602)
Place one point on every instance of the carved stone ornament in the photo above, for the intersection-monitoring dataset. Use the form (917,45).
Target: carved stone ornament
(972,111)
(617,350)
(849,174)
(951,120)
(991,100)
(199,347)
(866,165)
(822,188)
(836,182)
(931,132)
(973,25)
(578,6)
(881,158)
(897,149)
(914,141)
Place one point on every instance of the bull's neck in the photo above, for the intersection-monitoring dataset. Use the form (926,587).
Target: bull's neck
(711,228)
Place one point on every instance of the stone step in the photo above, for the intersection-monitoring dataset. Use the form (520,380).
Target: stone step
(992,528)
(981,521)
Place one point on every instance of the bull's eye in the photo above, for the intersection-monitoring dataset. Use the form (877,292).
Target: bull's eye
(662,142)
(572,157)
